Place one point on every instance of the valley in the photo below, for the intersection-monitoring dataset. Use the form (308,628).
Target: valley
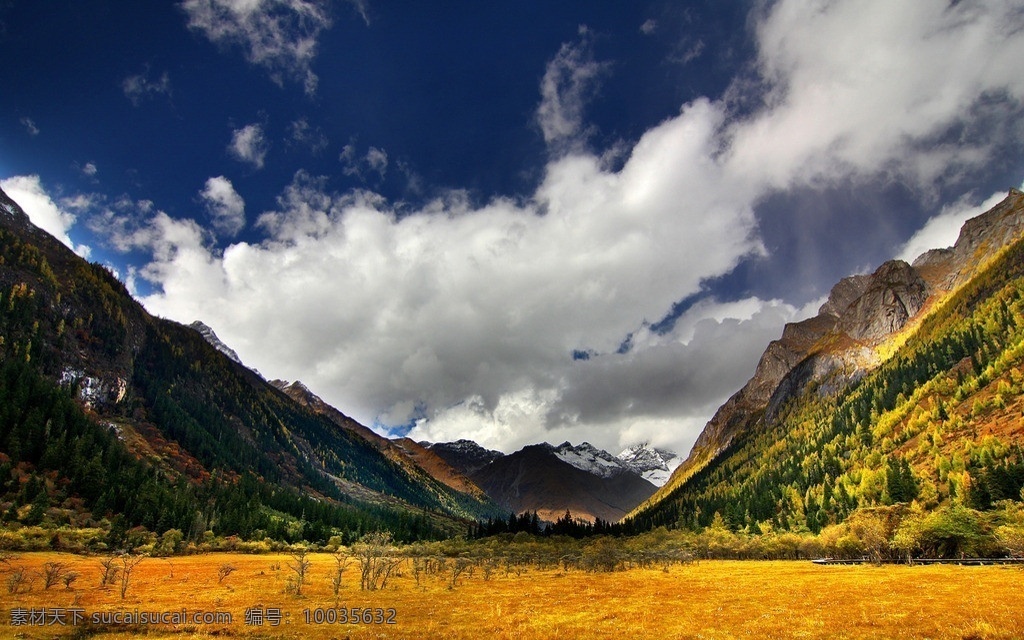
(711,599)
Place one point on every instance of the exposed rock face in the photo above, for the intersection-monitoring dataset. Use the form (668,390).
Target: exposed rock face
(93,391)
(894,293)
(589,458)
(839,345)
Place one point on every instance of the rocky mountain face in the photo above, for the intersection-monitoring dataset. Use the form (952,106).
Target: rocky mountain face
(864,319)
(585,480)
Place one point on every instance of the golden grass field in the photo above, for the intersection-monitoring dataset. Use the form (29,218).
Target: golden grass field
(713,599)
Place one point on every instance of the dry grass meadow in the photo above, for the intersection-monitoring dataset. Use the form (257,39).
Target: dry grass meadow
(714,599)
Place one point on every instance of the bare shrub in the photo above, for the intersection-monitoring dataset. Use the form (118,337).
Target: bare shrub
(376,556)
(20,581)
(52,573)
(341,562)
(224,571)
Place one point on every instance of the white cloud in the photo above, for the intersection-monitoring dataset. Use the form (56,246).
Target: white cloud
(30,126)
(471,314)
(649,26)
(250,145)
(225,206)
(139,88)
(281,36)
(872,86)
(28,192)
(452,302)
(303,133)
(90,169)
(375,161)
(569,81)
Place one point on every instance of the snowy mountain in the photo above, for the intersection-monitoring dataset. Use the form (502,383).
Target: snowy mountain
(652,464)
(211,337)
(589,458)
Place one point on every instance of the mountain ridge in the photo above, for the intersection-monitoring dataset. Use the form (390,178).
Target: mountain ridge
(187,412)
(864,322)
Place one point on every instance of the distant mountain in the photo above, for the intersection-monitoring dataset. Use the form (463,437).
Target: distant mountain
(653,464)
(109,411)
(585,480)
(905,386)
(465,455)
(589,458)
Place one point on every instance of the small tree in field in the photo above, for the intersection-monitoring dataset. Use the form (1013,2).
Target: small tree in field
(109,571)
(341,562)
(299,565)
(128,563)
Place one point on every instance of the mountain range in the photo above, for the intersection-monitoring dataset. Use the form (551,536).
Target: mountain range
(904,388)
(588,482)
(182,406)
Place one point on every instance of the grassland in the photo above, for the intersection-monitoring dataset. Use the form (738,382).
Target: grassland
(714,599)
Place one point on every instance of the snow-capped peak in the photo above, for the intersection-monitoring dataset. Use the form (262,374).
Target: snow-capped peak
(589,458)
(652,464)
(211,337)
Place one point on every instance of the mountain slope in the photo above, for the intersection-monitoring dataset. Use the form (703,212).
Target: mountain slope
(184,410)
(452,489)
(903,387)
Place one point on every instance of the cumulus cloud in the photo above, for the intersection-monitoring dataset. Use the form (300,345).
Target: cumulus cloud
(249,144)
(225,206)
(46,214)
(138,88)
(454,302)
(867,87)
(281,36)
(466,317)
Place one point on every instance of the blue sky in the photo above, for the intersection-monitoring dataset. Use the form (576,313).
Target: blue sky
(424,210)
